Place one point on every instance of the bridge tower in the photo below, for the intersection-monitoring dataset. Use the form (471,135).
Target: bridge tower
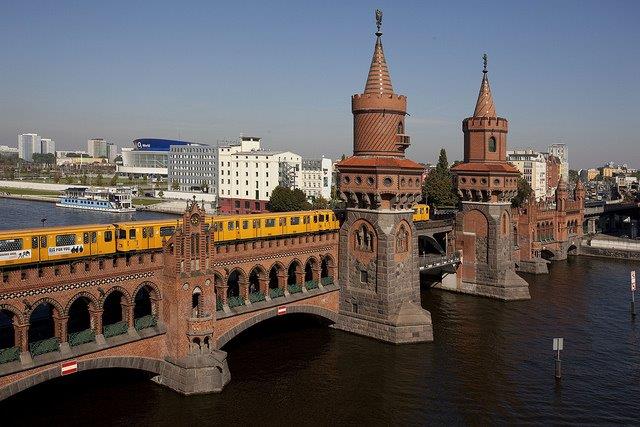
(194,365)
(486,183)
(378,269)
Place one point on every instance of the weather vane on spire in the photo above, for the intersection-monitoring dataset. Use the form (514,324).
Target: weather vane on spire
(378,21)
(484,59)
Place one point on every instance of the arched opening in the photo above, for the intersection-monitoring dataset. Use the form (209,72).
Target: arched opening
(547,254)
(233,284)
(196,301)
(293,272)
(79,325)
(114,320)
(400,129)
(254,280)
(309,268)
(7,330)
(274,281)
(143,309)
(492,145)
(42,330)
(327,270)
(573,250)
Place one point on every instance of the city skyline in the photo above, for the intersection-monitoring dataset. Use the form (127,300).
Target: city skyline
(223,72)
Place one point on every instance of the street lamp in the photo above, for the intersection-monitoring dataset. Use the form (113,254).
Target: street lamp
(43,220)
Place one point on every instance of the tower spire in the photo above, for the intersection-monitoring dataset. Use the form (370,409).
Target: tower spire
(378,80)
(485,106)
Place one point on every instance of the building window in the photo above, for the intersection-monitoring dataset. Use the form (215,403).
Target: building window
(492,145)
(364,276)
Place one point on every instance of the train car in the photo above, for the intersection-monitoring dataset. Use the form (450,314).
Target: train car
(143,235)
(421,213)
(53,244)
(242,227)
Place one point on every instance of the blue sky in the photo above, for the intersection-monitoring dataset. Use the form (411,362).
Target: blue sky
(559,70)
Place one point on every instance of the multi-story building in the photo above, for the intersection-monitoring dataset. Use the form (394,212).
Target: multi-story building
(28,144)
(247,174)
(533,167)
(560,151)
(148,157)
(112,151)
(553,174)
(47,146)
(6,151)
(193,168)
(316,178)
(97,147)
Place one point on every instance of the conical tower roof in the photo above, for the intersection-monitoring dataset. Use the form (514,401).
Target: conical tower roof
(485,106)
(379,80)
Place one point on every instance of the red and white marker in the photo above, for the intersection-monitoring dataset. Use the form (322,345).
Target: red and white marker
(282,310)
(70,367)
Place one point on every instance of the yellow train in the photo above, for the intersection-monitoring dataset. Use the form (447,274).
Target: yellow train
(53,244)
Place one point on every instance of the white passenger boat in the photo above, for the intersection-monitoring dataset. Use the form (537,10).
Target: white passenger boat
(107,199)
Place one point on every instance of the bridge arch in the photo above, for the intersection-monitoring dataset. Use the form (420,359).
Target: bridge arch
(294,272)
(16,313)
(153,366)
(246,324)
(10,317)
(121,290)
(237,277)
(327,267)
(81,313)
(94,302)
(145,300)
(311,269)
(45,321)
(276,275)
(257,276)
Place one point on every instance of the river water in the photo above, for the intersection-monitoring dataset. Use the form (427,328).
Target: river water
(491,362)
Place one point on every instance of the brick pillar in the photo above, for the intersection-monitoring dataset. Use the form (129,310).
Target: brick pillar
(315,273)
(243,286)
(263,284)
(21,336)
(282,282)
(96,320)
(300,276)
(127,315)
(60,327)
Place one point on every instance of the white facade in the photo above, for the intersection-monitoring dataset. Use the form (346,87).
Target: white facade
(561,152)
(316,177)
(112,151)
(533,167)
(193,168)
(246,171)
(97,147)
(144,162)
(47,146)
(8,151)
(28,144)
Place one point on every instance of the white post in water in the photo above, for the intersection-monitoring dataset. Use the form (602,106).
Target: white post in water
(558,344)
(633,293)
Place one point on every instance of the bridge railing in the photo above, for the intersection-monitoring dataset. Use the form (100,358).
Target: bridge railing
(435,260)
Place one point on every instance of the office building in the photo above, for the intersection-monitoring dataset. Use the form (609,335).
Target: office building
(112,151)
(248,174)
(148,157)
(533,167)
(97,147)
(316,178)
(28,144)
(560,151)
(192,168)
(47,146)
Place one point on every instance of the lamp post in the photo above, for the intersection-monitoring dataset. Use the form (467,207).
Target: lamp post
(43,220)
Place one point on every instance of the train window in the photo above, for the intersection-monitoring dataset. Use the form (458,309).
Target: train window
(94,237)
(270,222)
(122,234)
(256,223)
(85,238)
(283,221)
(333,217)
(34,243)
(295,220)
(167,231)
(245,225)
(315,218)
(108,236)
(230,225)
(65,239)
(144,232)
(150,232)
(10,245)
(305,219)
(43,241)
(321,218)
(132,233)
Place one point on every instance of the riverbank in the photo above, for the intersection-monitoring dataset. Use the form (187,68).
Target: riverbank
(610,247)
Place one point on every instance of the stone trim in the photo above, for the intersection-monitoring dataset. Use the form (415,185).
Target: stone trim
(278,255)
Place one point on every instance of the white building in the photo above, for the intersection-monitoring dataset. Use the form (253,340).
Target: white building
(28,144)
(560,151)
(112,152)
(193,168)
(8,151)
(316,177)
(47,146)
(248,172)
(97,147)
(533,166)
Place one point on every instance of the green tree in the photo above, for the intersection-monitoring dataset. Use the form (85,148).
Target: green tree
(69,179)
(99,180)
(114,180)
(84,180)
(524,192)
(284,199)
(438,187)
(161,194)
(56,177)
(320,203)
(573,175)
(175,185)
(46,158)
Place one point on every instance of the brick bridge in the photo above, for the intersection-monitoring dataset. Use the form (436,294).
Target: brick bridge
(167,312)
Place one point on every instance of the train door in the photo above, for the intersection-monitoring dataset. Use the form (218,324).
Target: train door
(282,222)
(39,248)
(147,238)
(132,238)
(90,242)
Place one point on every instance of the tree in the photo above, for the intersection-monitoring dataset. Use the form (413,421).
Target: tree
(44,158)
(114,180)
(175,185)
(524,192)
(69,179)
(84,180)
(56,177)
(438,187)
(99,180)
(161,194)
(320,203)
(573,175)
(284,199)
(204,185)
